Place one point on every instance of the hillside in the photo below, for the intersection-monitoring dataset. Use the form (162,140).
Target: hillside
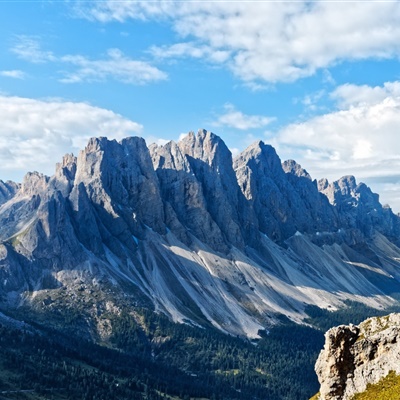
(179,256)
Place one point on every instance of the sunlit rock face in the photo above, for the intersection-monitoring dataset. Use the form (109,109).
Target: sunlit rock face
(355,356)
(187,231)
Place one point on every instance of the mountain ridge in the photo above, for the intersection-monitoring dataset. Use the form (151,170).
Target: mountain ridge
(190,232)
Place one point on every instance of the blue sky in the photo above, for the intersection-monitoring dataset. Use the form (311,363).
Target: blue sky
(320,81)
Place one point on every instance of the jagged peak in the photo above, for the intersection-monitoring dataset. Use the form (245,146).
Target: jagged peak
(96,143)
(347,185)
(323,184)
(169,156)
(258,148)
(202,137)
(65,174)
(133,141)
(103,143)
(34,182)
(261,153)
(292,167)
(205,146)
(347,180)
(68,162)
(68,159)
(250,151)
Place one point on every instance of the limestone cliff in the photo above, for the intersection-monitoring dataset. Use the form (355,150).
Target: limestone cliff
(355,356)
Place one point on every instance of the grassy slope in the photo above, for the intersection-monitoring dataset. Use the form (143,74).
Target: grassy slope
(386,389)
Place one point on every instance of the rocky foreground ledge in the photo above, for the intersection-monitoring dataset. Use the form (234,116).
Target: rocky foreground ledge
(355,356)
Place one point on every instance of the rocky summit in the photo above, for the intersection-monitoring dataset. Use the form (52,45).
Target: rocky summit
(185,230)
(356,356)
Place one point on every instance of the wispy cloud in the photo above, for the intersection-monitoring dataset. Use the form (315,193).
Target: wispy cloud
(268,41)
(35,134)
(190,49)
(15,74)
(238,120)
(311,101)
(28,48)
(115,65)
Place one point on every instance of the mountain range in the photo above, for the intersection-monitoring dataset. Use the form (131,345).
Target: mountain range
(187,231)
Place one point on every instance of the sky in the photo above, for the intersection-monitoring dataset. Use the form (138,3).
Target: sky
(318,80)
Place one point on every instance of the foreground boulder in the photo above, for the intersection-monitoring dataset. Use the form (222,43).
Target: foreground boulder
(355,356)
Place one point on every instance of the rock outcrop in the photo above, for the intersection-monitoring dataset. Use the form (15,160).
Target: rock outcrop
(355,356)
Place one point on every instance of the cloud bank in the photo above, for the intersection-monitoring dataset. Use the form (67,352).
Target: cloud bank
(266,41)
(35,134)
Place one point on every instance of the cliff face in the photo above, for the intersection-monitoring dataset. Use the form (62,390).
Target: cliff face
(355,356)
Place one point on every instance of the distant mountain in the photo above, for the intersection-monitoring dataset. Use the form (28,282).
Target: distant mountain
(184,230)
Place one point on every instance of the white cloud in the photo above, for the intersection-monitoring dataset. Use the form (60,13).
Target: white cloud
(15,74)
(28,48)
(115,66)
(361,139)
(236,119)
(311,101)
(35,134)
(106,11)
(269,41)
(190,49)
(350,95)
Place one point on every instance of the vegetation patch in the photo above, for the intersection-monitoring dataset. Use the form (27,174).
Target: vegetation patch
(353,313)
(148,357)
(387,388)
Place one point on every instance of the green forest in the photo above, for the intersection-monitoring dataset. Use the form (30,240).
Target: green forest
(159,359)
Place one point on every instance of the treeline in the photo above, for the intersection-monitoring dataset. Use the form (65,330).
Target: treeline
(279,366)
(353,313)
(148,357)
(158,359)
